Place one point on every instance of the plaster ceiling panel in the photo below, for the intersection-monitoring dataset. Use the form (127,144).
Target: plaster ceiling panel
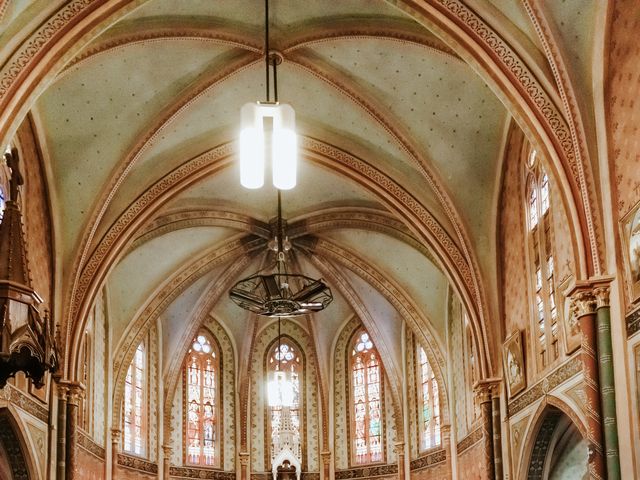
(284,12)
(12,9)
(446,108)
(327,323)
(144,269)
(386,318)
(514,11)
(175,318)
(416,275)
(118,92)
(575,24)
(317,188)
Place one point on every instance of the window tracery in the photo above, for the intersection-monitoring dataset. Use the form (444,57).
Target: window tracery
(541,263)
(202,387)
(429,414)
(284,373)
(134,403)
(366,401)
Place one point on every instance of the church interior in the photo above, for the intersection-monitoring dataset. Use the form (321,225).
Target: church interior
(451,290)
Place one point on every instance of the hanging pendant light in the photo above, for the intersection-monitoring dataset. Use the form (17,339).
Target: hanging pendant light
(254,138)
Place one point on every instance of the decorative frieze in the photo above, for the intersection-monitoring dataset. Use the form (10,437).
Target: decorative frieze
(137,463)
(367,472)
(429,459)
(90,446)
(583,303)
(16,397)
(560,375)
(471,439)
(633,322)
(202,473)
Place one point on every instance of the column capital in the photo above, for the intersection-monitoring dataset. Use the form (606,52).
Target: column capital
(116,433)
(70,391)
(326,457)
(244,458)
(485,388)
(601,292)
(398,448)
(583,302)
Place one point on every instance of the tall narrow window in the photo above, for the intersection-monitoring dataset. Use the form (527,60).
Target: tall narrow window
(134,403)
(284,366)
(366,397)
(430,399)
(542,262)
(202,410)
(84,408)
(2,202)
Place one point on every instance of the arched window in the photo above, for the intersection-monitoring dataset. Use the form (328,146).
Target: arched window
(5,175)
(430,403)
(201,374)
(366,401)
(284,367)
(86,374)
(134,403)
(540,244)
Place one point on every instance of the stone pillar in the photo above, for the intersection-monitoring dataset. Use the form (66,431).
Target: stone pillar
(445,435)
(483,391)
(607,386)
(73,401)
(399,449)
(61,453)
(326,464)
(584,307)
(115,449)
(166,461)
(497,432)
(244,465)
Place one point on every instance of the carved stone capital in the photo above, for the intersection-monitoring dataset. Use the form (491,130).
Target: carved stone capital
(168,450)
(398,448)
(326,457)
(484,389)
(116,434)
(583,303)
(601,293)
(244,458)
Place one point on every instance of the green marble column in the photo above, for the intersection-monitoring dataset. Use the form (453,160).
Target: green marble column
(607,386)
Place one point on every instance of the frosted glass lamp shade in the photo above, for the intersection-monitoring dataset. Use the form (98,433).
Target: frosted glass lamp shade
(284,149)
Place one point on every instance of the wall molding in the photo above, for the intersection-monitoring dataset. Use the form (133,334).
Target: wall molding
(470,440)
(428,459)
(137,463)
(88,444)
(367,472)
(21,400)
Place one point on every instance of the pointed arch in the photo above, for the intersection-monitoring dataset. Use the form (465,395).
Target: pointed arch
(21,463)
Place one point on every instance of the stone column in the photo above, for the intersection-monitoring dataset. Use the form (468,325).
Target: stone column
(399,449)
(115,449)
(584,307)
(166,461)
(73,401)
(61,453)
(326,464)
(497,432)
(244,465)
(607,386)
(483,391)
(445,435)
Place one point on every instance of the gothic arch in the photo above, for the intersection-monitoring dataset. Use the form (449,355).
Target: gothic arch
(15,446)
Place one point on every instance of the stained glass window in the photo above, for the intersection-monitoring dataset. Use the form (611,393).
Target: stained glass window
(366,397)
(430,403)
(540,245)
(201,400)
(284,366)
(134,401)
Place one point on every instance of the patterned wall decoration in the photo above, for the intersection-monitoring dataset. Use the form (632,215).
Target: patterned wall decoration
(310,433)
(633,322)
(202,473)
(458,387)
(100,366)
(137,463)
(36,432)
(12,395)
(518,431)
(428,460)
(152,390)
(412,396)
(90,446)
(228,434)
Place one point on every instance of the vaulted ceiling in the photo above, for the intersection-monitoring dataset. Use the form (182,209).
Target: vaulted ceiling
(401,158)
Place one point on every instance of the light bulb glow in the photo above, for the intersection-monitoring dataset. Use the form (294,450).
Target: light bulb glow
(284,150)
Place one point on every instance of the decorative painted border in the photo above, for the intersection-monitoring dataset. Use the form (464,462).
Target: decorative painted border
(137,463)
(367,472)
(470,440)
(203,473)
(427,460)
(16,397)
(564,372)
(633,322)
(90,445)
